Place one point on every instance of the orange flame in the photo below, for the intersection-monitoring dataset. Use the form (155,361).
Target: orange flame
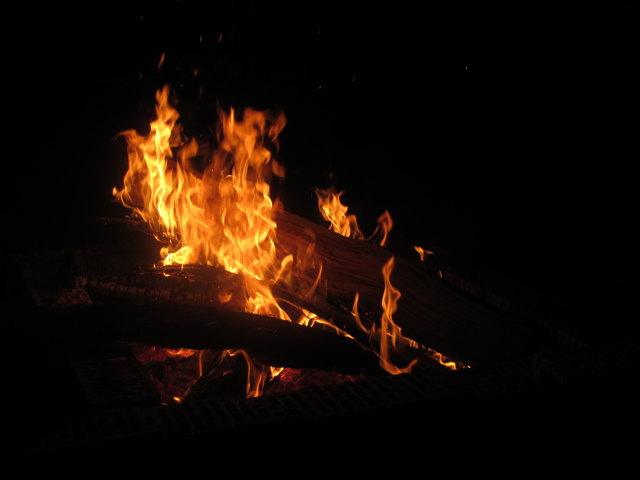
(220,216)
(384,226)
(423,252)
(334,212)
(224,216)
(390,333)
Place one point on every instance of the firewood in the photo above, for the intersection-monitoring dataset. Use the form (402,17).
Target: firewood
(430,311)
(267,339)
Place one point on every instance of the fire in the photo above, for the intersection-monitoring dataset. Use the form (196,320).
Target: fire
(334,212)
(390,333)
(387,334)
(423,252)
(222,216)
(381,233)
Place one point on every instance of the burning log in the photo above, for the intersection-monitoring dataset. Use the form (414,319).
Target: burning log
(267,339)
(429,311)
(223,214)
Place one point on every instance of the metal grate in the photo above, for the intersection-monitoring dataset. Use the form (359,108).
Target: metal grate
(216,417)
(205,417)
(112,378)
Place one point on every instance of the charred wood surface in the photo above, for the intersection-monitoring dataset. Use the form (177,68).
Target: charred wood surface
(429,311)
(267,339)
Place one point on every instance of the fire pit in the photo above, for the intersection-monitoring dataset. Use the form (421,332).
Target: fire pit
(283,324)
(207,310)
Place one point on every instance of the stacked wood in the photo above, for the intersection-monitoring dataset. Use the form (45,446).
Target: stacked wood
(430,311)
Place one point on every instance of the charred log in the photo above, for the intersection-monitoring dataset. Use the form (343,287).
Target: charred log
(267,339)
(430,311)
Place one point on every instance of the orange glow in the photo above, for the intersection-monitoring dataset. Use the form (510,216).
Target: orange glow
(180,352)
(387,333)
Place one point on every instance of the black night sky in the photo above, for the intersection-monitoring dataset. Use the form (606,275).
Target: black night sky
(487,133)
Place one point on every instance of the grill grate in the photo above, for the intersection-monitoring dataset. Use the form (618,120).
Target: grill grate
(205,417)
(113,377)
(195,420)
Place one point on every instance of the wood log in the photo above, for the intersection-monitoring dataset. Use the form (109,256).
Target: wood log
(267,339)
(430,311)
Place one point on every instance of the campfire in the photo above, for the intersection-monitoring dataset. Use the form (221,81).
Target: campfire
(210,207)
(218,291)
(204,257)
(208,308)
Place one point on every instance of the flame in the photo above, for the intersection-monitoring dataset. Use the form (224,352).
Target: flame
(444,360)
(384,226)
(423,252)
(180,352)
(334,212)
(222,216)
(390,333)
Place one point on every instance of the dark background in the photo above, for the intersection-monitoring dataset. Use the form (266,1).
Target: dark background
(491,134)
